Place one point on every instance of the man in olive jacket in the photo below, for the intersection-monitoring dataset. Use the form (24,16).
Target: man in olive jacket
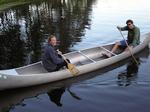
(133,37)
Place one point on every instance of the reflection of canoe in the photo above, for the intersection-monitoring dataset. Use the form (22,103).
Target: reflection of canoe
(86,60)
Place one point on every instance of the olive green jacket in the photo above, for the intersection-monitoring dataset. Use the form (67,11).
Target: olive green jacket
(133,37)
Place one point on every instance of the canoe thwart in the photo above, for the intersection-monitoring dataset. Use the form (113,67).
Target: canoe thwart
(86,56)
(108,51)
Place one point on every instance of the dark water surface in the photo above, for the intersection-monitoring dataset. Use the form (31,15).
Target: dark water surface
(78,24)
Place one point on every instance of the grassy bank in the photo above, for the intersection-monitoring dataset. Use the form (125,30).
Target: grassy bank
(5,4)
(8,5)
(11,1)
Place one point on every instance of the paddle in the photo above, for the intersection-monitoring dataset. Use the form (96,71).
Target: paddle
(129,49)
(71,67)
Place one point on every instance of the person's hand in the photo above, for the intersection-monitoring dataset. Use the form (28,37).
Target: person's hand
(130,48)
(119,28)
(59,52)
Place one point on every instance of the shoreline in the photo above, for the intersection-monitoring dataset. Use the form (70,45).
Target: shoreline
(12,4)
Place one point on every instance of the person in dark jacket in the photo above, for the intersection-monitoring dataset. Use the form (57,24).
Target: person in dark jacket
(51,60)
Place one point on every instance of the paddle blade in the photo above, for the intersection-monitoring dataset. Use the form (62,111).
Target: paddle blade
(72,69)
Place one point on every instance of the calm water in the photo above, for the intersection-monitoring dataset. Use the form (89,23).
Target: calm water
(78,24)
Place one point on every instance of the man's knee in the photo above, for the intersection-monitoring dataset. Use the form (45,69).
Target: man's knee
(117,43)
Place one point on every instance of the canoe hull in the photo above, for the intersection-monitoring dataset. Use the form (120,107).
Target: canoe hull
(25,80)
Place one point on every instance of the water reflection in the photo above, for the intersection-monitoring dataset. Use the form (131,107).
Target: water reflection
(55,95)
(27,27)
(12,47)
(73,94)
(130,75)
(127,77)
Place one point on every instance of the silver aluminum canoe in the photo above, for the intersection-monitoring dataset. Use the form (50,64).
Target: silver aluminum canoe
(87,60)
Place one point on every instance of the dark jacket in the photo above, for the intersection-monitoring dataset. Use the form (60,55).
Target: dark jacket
(51,58)
(133,35)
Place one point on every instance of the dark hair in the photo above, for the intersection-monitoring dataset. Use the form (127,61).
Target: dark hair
(50,37)
(129,21)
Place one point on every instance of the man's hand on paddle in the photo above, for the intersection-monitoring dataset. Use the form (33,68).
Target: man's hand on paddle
(119,28)
(59,52)
(130,48)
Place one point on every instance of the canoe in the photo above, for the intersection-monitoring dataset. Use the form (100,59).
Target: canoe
(19,94)
(86,61)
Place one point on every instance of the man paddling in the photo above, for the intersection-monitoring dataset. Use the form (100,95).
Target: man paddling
(133,37)
(51,60)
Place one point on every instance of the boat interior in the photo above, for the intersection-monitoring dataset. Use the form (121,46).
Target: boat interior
(79,58)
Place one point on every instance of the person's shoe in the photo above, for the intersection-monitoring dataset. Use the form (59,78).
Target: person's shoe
(108,55)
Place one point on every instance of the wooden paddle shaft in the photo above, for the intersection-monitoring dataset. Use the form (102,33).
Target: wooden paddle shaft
(64,58)
(59,52)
